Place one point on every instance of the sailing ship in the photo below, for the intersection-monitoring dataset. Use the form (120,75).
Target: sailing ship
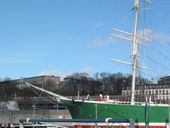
(144,114)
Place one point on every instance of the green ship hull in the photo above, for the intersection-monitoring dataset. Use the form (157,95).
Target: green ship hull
(101,110)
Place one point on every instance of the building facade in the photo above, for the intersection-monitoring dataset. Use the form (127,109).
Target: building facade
(49,82)
(156,91)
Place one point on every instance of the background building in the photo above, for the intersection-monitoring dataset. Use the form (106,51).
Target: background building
(49,82)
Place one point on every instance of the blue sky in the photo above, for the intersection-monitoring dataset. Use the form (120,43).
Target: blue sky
(61,37)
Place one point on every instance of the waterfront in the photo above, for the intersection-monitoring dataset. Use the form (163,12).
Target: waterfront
(7,116)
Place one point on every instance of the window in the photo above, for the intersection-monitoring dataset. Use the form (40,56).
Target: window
(156,91)
(167,92)
(163,92)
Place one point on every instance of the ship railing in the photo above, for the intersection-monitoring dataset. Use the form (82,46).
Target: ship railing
(140,103)
(128,103)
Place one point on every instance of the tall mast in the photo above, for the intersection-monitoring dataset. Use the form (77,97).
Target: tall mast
(134,50)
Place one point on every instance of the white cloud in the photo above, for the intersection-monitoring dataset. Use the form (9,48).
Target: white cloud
(147,33)
(62,75)
(98,25)
(161,37)
(11,60)
(48,73)
(88,70)
(100,42)
(156,36)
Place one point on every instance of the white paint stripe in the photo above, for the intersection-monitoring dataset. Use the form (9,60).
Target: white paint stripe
(122,124)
